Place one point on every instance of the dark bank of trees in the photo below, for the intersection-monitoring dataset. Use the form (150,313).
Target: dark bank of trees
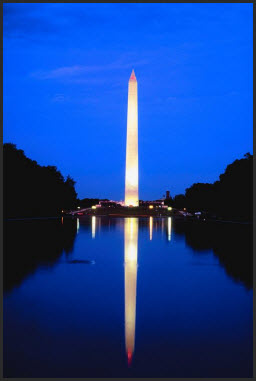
(87,202)
(228,198)
(34,190)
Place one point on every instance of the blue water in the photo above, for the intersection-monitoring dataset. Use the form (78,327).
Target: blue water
(194,311)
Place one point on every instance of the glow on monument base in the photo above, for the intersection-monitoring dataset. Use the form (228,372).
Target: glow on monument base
(131,186)
(131,248)
(131,180)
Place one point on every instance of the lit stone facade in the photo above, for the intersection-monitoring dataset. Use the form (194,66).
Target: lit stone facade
(132,171)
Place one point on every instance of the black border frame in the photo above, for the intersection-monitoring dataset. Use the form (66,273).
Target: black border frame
(254,211)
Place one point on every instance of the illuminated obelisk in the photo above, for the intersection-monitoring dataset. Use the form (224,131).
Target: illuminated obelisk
(131,248)
(131,171)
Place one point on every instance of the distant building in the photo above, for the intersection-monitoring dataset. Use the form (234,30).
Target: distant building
(109,204)
(167,194)
(155,203)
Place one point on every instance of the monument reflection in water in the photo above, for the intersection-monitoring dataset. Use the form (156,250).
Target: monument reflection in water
(78,308)
(131,263)
(130,254)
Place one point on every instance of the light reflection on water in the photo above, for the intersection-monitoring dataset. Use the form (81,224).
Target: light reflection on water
(169,228)
(131,252)
(150,228)
(180,306)
(93,226)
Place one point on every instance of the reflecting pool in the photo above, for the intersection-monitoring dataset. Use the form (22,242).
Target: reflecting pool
(127,297)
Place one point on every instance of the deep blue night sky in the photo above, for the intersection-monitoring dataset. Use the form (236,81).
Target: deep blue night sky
(66,72)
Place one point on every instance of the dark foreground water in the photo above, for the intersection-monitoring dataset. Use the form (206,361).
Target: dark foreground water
(102,297)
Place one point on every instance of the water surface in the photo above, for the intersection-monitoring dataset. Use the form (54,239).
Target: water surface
(126,297)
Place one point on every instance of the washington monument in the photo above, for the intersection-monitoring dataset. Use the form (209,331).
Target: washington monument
(132,171)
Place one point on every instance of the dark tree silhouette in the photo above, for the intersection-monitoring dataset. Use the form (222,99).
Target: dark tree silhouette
(87,202)
(234,189)
(179,201)
(229,198)
(200,197)
(34,190)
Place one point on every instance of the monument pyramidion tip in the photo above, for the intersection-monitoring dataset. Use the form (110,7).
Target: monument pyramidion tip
(132,77)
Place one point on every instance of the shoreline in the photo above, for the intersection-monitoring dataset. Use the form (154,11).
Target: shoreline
(117,215)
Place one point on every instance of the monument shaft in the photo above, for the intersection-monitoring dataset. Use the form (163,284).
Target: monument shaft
(132,171)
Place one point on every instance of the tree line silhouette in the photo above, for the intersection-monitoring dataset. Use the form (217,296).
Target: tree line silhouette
(34,190)
(230,197)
